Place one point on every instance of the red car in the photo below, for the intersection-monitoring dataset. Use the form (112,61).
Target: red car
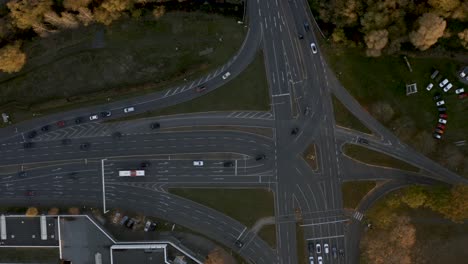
(61,123)
(441,126)
(443,115)
(200,89)
(30,193)
(463,95)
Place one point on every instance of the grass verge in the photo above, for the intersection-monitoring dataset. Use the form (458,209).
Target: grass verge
(354,191)
(302,255)
(248,91)
(29,255)
(310,156)
(268,233)
(346,119)
(373,157)
(244,205)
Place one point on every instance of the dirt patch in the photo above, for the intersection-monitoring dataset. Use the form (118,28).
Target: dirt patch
(310,156)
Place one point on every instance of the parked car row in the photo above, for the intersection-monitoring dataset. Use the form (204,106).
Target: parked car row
(131,222)
(317,249)
(442,118)
(446,85)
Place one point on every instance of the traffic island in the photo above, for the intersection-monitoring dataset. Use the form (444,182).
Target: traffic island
(354,191)
(310,156)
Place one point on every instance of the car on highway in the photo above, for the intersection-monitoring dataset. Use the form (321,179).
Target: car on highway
(300,36)
(318,248)
(78,120)
(443,83)
(260,157)
(363,141)
(439,103)
(228,164)
(429,86)
(61,123)
(124,220)
(325,248)
(147,226)
(198,163)
(200,89)
(93,117)
(311,260)
(155,125)
(320,260)
(294,131)
(226,75)
(443,115)
(306,26)
(85,146)
(437,136)
(313,47)
(459,91)
(239,244)
(334,252)
(27,145)
(106,113)
(32,134)
(437,97)
(22,174)
(463,95)
(448,87)
(145,164)
(341,252)
(116,218)
(45,128)
(442,121)
(30,193)
(129,109)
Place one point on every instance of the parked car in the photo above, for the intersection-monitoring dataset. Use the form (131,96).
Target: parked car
(311,260)
(239,244)
(442,121)
(429,87)
(106,113)
(260,157)
(155,125)
(439,131)
(66,141)
(30,193)
(198,163)
(314,48)
(325,248)
(226,75)
(147,226)
(462,74)
(61,123)
(443,83)
(78,120)
(334,252)
(443,115)
(459,91)
(319,259)
(318,248)
(437,96)
(130,223)
(45,128)
(439,103)
(116,218)
(434,74)
(448,87)
(442,109)
(145,164)
(441,126)
(306,111)
(124,220)
(201,88)
(341,252)
(153,226)
(436,136)
(129,109)
(93,117)
(300,36)
(463,95)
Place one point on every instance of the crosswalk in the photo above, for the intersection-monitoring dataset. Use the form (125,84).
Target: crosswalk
(358,215)
(252,115)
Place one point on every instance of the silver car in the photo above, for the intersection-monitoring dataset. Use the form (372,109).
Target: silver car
(313,47)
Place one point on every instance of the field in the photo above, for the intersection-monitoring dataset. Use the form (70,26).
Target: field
(268,233)
(344,118)
(379,85)
(95,64)
(244,205)
(29,255)
(376,158)
(354,191)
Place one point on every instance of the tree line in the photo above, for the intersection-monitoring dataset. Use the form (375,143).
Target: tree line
(387,25)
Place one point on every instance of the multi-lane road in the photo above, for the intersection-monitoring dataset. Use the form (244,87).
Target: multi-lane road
(60,171)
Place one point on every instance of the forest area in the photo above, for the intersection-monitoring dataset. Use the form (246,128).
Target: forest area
(391,26)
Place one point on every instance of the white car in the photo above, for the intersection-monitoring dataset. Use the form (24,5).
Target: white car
(443,83)
(313,47)
(147,225)
(462,74)
(448,87)
(319,258)
(226,75)
(429,87)
(442,121)
(94,117)
(311,260)
(198,163)
(459,91)
(325,248)
(318,248)
(440,103)
(129,109)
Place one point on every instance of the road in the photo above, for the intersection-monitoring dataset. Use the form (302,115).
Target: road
(308,201)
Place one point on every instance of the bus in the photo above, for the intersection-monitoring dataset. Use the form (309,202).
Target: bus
(131,173)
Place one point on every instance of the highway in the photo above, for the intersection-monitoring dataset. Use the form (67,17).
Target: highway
(61,171)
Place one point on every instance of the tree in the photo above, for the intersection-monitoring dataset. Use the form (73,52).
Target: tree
(339,36)
(32,211)
(74,211)
(458,211)
(414,196)
(430,28)
(376,40)
(85,16)
(53,211)
(444,5)
(159,11)
(464,38)
(116,5)
(27,13)
(215,257)
(111,10)
(66,20)
(75,5)
(12,59)
(105,17)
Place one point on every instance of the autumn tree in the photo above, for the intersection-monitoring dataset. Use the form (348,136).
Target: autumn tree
(215,257)
(75,5)
(414,196)
(12,59)
(85,16)
(339,36)
(458,211)
(32,211)
(376,40)
(28,13)
(159,11)
(64,21)
(464,38)
(430,28)
(444,5)
(111,10)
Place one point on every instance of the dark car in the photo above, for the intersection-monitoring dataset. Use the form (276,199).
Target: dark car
(85,146)
(124,220)
(106,114)
(22,174)
(78,120)
(200,89)
(239,244)
(437,96)
(442,109)
(130,223)
(153,226)
(32,134)
(45,128)
(310,246)
(363,141)
(334,252)
(341,252)
(294,131)
(28,145)
(145,164)
(228,164)
(61,123)
(260,157)
(306,26)
(155,126)
(306,111)
(300,36)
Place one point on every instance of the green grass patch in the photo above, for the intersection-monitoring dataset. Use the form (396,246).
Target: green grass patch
(346,119)
(248,91)
(268,233)
(244,205)
(373,157)
(30,255)
(88,65)
(354,191)
(302,255)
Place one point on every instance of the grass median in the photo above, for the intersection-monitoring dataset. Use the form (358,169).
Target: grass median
(244,205)
(268,234)
(345,118)
(376,158)
(354,191)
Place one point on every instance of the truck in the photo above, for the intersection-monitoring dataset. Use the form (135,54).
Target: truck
(131,173)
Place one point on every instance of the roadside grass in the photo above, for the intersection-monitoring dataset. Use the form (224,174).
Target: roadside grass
(268,233)
(248,91)
(244,205)
(86,66)
(346,119)
(29,255)
(383,79)
(354,191)
(302,255)
(373,157)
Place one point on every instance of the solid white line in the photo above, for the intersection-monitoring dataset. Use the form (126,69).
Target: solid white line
(319,238)
(277,95)
(103,187)
(245,228)
(59,237)
(235,169)
(323,223)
